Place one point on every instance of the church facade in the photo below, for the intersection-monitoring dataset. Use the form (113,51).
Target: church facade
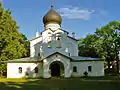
(54,53)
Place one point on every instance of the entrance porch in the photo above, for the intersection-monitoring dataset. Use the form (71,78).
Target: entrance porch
(57,69)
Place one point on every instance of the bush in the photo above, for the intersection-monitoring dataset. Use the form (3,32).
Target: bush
(85,73)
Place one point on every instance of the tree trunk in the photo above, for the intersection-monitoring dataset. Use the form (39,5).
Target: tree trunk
(109,64)
(117,64)
(117,58)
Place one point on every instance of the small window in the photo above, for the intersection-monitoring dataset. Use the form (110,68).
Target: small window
(20,69)
(69,54)
(58,38)
(89,68)
(49,33)
(74,69)
(36,69)
(38,54)
(56,55)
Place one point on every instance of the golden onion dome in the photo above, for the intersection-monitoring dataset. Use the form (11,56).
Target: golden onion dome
(52,16)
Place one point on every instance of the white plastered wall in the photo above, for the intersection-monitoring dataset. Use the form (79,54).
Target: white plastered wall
(13,70)
(67,45)
(34,43)
(97,68)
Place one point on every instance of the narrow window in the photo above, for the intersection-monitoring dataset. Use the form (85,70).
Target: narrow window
(20,69)
(38,54)
(36,69)
(74,69)
(56,55)
(58,38)
(69,54)
(89,68)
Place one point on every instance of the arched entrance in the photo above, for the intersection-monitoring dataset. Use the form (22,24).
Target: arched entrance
(57,69)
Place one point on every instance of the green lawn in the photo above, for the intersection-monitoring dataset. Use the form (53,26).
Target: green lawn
(92,83)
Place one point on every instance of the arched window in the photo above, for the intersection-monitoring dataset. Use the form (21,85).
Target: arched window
(69,54)
(74,69)
(38,54)
(89,68)
(58,38)
(20,69)
(36,69)
(56,55)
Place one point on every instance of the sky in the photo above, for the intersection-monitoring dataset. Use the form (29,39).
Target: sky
(79,16)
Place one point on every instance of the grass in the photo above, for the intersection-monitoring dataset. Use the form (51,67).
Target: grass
(90,83)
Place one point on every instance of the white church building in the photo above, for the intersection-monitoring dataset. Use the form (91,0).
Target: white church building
(54,52)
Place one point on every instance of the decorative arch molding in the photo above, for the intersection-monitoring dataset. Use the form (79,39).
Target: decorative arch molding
(57,58)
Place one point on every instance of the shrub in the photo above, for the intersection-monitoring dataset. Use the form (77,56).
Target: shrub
(85,73)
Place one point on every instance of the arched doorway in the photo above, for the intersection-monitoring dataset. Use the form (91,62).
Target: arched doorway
(57,69)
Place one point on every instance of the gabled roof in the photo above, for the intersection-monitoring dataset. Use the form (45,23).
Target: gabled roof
(75,58)
(25,60)
(64,31)
(56,53)
(79,58)
(73,38)
(55,30)
(37,59)
(83,58)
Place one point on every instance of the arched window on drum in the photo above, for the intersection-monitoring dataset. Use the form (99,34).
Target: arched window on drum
(36,69)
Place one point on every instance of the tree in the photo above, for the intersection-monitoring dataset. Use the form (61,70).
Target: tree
(12,43)
(87,46)
(116,40)
(110,34)
(106,42)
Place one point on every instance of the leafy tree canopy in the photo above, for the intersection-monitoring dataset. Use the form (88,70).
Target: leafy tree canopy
(13,44)
(104,43)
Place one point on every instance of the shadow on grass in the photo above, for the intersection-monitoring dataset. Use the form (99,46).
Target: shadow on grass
(60,84)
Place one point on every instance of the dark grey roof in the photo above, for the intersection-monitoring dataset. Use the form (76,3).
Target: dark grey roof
(56,53)
(28,59)
(37,59)
(79,58)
